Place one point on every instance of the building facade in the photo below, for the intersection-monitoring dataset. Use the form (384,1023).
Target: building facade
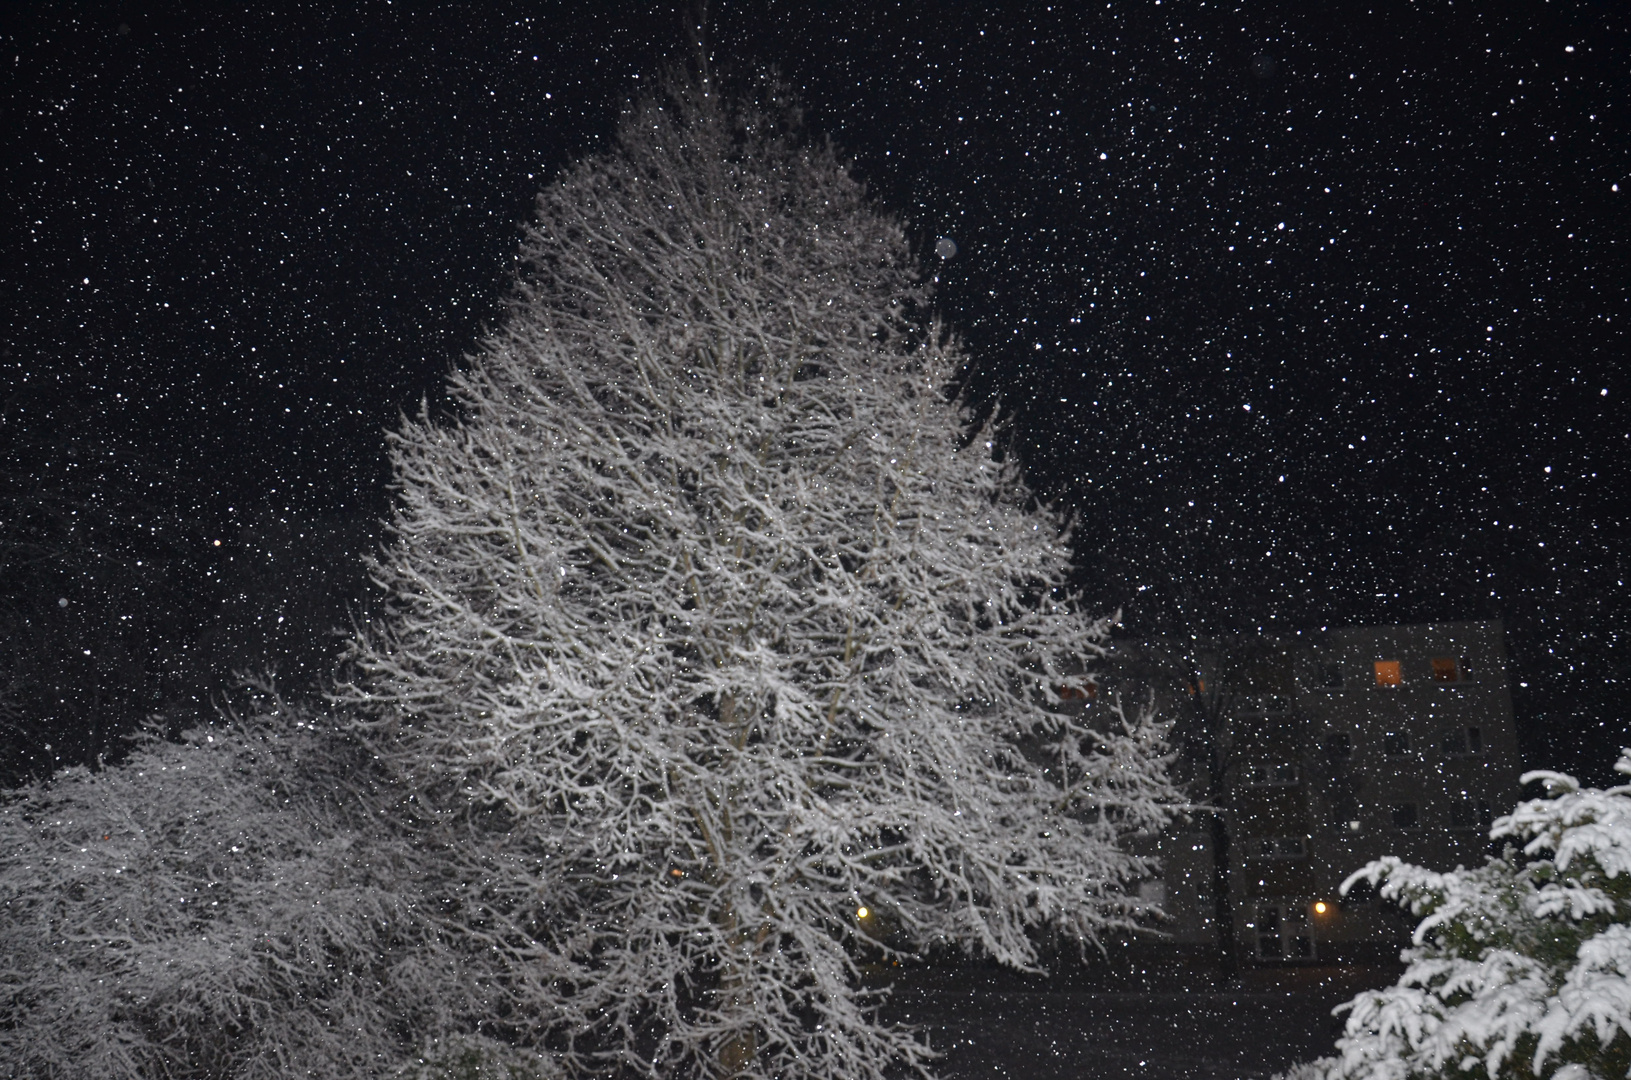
(1314,754)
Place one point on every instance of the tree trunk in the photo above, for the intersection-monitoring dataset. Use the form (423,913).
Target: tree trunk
(1223,908)
(737,1055)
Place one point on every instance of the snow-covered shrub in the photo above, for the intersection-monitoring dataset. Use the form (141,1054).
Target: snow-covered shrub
(219,907)
(1519,968)
(703,597)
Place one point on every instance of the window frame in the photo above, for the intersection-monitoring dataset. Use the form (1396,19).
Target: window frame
(1464,740)
(1469,815)
(1290,927)
(1456,667)
(1285,848)
(1330,676)
(1271,775)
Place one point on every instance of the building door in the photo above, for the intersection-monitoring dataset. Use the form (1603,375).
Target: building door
(1283,930)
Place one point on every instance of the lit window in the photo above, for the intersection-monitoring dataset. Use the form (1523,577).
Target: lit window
(1447,669)
(1388,673)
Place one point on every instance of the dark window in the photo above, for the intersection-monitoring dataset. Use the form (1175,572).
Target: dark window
(1405,816)
(1396,744)
(1464,740)
(1275,847)
(1331,676)
(1281,775)
(1339,744)
(1283,931)
(1268,932)
(1468,814)
(1359,894)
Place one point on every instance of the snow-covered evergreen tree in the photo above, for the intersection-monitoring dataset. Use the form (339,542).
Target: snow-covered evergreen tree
(1519,968)
(225,907)
(702,591)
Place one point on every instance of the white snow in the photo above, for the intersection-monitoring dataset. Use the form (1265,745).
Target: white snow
(1519,967)
(706,596)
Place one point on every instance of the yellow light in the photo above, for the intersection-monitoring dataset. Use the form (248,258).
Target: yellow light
(1319,907)
(861,913)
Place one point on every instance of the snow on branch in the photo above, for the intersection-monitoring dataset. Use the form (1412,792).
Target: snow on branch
(222,906)
(707,596)
(1518,968)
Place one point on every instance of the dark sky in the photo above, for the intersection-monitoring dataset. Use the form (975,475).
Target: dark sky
(1311,319)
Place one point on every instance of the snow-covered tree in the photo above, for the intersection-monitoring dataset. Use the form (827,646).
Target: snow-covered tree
(703,591)
(1519,968)
(223,907)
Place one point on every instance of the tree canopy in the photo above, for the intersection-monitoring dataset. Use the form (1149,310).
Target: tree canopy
(705,592)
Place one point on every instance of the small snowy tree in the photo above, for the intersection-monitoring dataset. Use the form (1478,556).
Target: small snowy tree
(703,592)
(222,907)
(1519,968)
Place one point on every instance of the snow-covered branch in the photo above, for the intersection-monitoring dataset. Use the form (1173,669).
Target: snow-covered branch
(1520,967)
(705,592)
(226,906)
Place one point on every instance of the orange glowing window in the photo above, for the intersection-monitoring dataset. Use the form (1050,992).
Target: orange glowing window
(1388,673)
(1445,669)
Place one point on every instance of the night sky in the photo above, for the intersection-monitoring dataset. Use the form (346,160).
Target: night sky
(1309,319)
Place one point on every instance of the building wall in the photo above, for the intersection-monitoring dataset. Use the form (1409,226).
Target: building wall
(1333,749)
